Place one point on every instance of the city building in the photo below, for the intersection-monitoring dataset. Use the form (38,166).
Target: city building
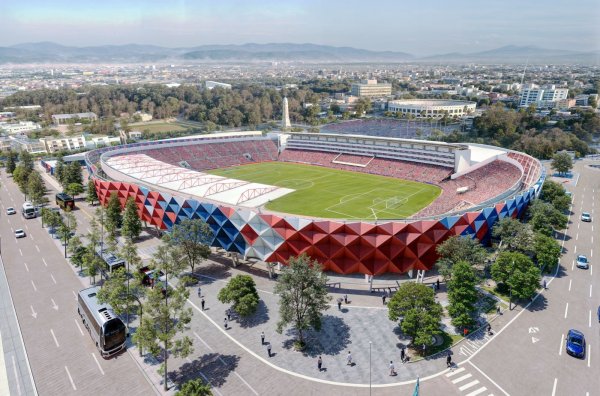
(20,143)
(20,127)
(370,88)
(68,143)
(432,108)
(143,116)
(62,119)
(214,84)
(542,97)
(102,141)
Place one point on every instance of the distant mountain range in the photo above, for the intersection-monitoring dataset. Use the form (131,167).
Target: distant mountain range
(48,52)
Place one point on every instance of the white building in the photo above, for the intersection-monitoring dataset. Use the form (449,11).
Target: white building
(432,108)
(542,97)
(102,141)
(20,127)
(61,119)
(370,88)
(67,143)
(214,84)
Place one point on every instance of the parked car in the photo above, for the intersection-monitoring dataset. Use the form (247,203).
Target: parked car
(582,262)
(598,313)
(151,276)
(576,343)
(585,216)
(10,210)
(19,233)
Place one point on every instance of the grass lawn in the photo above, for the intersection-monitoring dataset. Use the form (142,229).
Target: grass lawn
(159,127)
(332,193)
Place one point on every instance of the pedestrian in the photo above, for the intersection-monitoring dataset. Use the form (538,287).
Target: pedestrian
(228,312)
(498,310)
(346,298)
(448,360)
(339,304)
(199,292)
(225,323)
(262,338)
(489,329)
(383,299)
(319,363)
(402,355)
(465,332)
(269,349)
(349,359)
(545,284)
(438,284)
(392,369)
(202,304)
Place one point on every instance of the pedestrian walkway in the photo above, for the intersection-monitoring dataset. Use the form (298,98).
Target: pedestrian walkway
(466,382)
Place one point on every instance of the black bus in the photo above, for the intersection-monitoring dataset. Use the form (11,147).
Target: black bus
(65,201)
(106,329)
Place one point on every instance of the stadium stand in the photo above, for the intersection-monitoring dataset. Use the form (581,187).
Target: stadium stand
(416,129)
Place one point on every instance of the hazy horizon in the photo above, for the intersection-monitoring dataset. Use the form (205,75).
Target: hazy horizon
(431,27)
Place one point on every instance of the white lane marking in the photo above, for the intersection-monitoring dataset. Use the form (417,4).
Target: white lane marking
(98,363)
(575,249)
(554,386)
(590,291)
(577,235)
(573,265)
(20,251)
(31,236)
(578,227)
(79,327)
(566,310)
(33,284)
(44,260)
(570,282)
(478,391)
(590,319)
(14,362)
(74,294)
(53,280)
(469,385)
(591,252)
(26,267)
(459,379)
(591,270)
(70,378)
(55,340)
(488,378)
(33,313)
(589,354)
(562,339)
(26,227)
(38,248)
(54,304)
(202,341)
(457,371)
(208,381)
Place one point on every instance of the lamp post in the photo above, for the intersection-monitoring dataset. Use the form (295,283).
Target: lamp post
(370,344)
(127,306)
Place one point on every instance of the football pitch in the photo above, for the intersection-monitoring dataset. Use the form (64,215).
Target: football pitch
(338,194)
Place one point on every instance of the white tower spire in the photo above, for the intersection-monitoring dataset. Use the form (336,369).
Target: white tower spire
(285,119)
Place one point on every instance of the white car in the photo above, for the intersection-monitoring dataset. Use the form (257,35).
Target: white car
(19,233)
(585,216)
(582,262)
(10,211)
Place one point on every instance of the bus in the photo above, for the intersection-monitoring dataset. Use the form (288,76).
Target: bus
(106,329)
(28,210)
(65,201)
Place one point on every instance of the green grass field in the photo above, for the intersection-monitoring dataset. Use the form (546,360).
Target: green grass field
(159,127)
(332,193)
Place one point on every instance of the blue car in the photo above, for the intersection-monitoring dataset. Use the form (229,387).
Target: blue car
(598,313)
(576,343)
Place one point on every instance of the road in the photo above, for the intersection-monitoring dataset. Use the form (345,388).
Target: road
(62,356)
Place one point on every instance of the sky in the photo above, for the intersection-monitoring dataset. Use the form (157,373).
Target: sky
(422,27)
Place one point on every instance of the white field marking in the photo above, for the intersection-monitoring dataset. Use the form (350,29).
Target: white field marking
(459,379)
(488,378)
(566,310)
(33,284)
(14,362)
(37,248)
(554,386)
(98,363)
(21,252)
(202,341)
(53,280)
(570,282)
(70,378)
(478,391)
(26,267)
(79,327)
(467,386)
(562,339)
(44,260)
(589,354)
(55,340)
(457,371)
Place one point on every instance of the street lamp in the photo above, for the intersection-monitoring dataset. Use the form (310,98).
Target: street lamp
(370,368)
(128,298)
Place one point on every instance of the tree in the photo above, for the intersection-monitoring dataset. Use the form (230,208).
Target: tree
(91,263)
(26,160)
(77,251)
(11,162)
(241,291)
(36,190)
(513,234)
(72,174)
(74,189)
(114,291)
(132,225)
(562,203)
(545,218)
(21,176)
(419,314)
(547,250)
(92,196)
(518,273)
(192,237)
(462,295)
(552,190)
(303,297)
(113,213)
(194,387)
(165,321)
(459,248)
(59,170)
(562,163)
(66,227)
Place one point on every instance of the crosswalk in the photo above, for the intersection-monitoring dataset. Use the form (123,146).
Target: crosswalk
(471,345)
(466,383)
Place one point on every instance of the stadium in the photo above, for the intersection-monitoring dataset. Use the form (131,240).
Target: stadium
(356,203)
(432,108)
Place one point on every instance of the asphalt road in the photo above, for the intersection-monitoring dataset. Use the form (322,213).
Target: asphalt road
(62,356)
